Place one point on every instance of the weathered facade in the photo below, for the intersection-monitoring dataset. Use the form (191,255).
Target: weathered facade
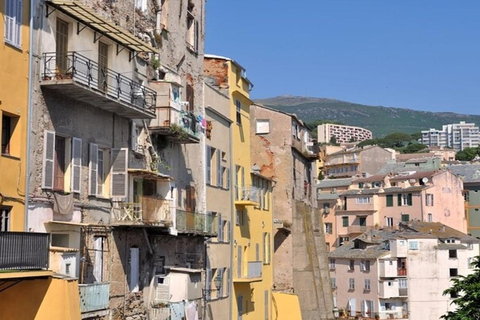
(283,151)
(118,153)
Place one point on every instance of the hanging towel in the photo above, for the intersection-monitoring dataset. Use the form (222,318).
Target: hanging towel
(63,203)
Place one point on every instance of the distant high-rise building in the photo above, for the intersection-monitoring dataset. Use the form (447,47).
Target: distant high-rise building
(342,133)
(457,136)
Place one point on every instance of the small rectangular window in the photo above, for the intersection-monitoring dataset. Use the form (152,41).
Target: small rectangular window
(452,254)
(328,228)
(8,126)
(389,200)
(13,22)
(367,285)
(453,272)
(351,284)
(332,264)
(345,221)
(5,218)
(238,106)
(351,266)
(262,127)
(334,282)
(413,245)
(405,217)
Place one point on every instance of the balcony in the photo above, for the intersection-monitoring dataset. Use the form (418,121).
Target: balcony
(246,196)
(181,126)
(94,297)
(358,229)
(151,211)
(253,273)
(24,251)
(83,79)
(196,223)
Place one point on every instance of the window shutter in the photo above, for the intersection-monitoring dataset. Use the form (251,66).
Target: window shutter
(48,159)
(208,282)
(197,35)
(389,200)
(409,199)
(76,164)
(229,232)
(18,22)
(208,164)
(220,276)
(219,169)
(228,178)
(227,289)
(220,228)
(399,198)
(133,136)
(119,173)
(92,170)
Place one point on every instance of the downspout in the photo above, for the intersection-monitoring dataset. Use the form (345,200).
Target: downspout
(232,219)
(29,114)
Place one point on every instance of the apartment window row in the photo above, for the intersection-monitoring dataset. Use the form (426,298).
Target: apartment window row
(13,22)
(366,284)
(216,173)
(62,167)
(342,169)
(402,200)
(217,280)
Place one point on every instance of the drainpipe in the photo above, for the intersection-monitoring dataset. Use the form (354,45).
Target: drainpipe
(29,113)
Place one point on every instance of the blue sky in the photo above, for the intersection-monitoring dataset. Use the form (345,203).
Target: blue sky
(422,55)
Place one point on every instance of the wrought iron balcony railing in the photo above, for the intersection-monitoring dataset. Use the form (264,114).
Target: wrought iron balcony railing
(24,251)
(178,123)
(80,69)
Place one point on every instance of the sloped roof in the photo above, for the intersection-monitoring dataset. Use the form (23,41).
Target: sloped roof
(468,173)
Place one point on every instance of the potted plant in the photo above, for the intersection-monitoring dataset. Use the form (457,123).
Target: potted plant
(155,66)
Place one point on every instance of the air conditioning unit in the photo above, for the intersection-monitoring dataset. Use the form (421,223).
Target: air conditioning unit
(162,289)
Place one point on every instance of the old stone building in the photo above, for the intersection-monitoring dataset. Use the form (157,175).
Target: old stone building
(118,155)
(282,150)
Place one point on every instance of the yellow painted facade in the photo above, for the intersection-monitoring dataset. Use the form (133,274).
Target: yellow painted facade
(253,220)
(14,61)
(286,307)
(40,299)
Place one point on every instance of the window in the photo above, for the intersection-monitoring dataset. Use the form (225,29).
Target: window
(238,106)
(362,221)
(389,200)
(351,284)
(57,162)
(262,127)
(405,217)
(453,272)
(333,282)
(343,240)
(351,266)
(366,285)
(208,160)
(413,245)
(328,228)
(365,265)
(344,221)
(8,130)
(13,22)
(361,185)
(404,199)
(402,283)
(5,218)
(193,31)
(141,5)
(266,248)
(470,263)
(430,217)
(452,254)
(332,264)
(389,221)
(190,201)
(429,199)
(363,200)
(219,169)
(219,279)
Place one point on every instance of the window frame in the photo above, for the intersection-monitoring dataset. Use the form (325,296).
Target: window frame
(5,218)
(13,23)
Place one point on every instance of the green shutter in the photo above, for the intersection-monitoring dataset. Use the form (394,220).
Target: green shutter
(409,199)
(399,200)
(389,200)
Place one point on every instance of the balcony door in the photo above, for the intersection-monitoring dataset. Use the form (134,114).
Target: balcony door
(102,66)
(61,47)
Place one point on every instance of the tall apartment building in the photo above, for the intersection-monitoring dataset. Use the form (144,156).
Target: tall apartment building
(118,153)
(457,136)
(401,274)
(253,228)
(283,150)
(342,133)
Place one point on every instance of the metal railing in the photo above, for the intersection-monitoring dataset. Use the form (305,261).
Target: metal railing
(170,118)
(94,296)
(254,269)
(24,251)
(193,222)
(72,65)
(246,193)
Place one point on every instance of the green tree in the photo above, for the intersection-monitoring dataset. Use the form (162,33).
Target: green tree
(416,136)
(467,154)
(466,290)
(333,141)
(414,148)
(396,140)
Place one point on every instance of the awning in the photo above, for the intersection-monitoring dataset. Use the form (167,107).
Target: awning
(68,223)
(94,21)
(143,172)
(183,270)
(286,306)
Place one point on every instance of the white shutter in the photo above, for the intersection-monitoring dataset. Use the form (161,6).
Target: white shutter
(18,22)
(208,164)
(133,137)
(48,159)
(119,173)
(208,282)
(219,169)
(76,164)
(92,170)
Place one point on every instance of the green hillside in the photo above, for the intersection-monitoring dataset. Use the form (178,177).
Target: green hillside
(380,120)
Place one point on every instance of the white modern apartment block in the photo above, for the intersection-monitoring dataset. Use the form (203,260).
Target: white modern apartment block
(457,136)
(342,133)
(401,273)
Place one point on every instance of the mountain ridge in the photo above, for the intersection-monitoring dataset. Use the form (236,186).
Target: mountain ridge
(369,117)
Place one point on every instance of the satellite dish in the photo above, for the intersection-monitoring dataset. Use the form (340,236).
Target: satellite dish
(425,180)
